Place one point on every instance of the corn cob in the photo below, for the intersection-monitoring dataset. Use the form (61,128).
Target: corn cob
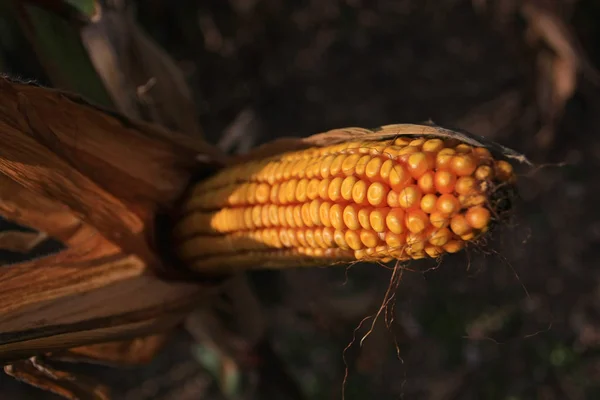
(405,198)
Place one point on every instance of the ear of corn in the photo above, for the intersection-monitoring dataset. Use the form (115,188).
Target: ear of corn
(406,198)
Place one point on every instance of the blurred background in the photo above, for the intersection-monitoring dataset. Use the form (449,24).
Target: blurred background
(516,319)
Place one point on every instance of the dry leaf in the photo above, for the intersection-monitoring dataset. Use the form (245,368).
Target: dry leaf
(94,180)
(68,385)
(141,77)
(20,242)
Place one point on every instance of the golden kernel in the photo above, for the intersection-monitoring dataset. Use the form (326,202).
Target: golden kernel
(391,151)
(440,237)
(289,216)
(364,147)
(433,145)
(433,251)
(324,189)
(284,238)
(377,219)
(351,146)
(301,237)
(418,164)
(307,218)
(448,204)
(298,216)
(318,235)
(309,237)
(327,235)
(350,217)
(428,203)
(482,153)
(340,240)
(349,164)
(347,186)
(353,240)
(312,189)
(377,148)
(478,217)
(282,194)
(301,166)
(463,164)
(248,221)
(360,254)
(415,242)
(361,165)
(263,190)
(251,194)
(324,212)
(313,170)
(377,194)
(468,236)
(373,167)
(439,220)
(300,194)
(270,172)
(472,200)
(395,220)
(287,170)
(291,190)
(406,152)
(273,215)
(264,216)
(417,142)
(325,166)
(454,246)
(279,171)
(272,238)
(336,165)
(394,240)
(359,192)
(256,218)
(399,177)
(504,171)
(363,217)
(459,225)
(466,185)
(464,148)
(416,221)
(386,169)
(402,141)
(409,197)
(336,216)
(393,199)
(293,237)
(484,173)
(444,158)
(426,183)
(335,188)
(444,181)
(281,216)
(369,238)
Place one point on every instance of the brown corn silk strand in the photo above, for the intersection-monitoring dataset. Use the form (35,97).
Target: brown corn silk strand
(368,197)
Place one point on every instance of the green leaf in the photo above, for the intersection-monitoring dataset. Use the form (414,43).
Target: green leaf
(85,7)
(59,47)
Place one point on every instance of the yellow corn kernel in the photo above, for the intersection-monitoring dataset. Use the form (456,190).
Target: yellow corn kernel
(361,200)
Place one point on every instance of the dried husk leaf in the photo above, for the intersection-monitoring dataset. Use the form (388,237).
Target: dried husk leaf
(140,76)
(65,384)
(111,172)
(20,242)
(140,350)
(99,50)
(94,180)
(336,136)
